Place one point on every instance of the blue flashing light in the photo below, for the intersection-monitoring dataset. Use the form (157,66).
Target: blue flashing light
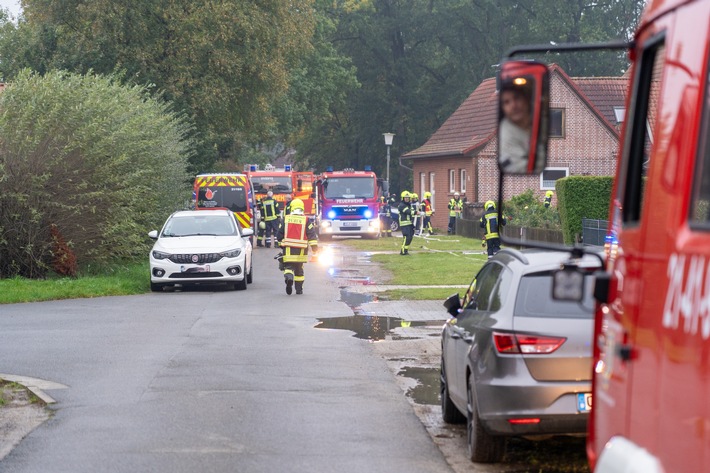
(252,167)
(331,214)
(368,213)
(329,169)
(287,167)
(368,168)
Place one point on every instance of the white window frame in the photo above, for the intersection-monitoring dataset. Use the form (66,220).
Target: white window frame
(462,173)
(422,184)
(431,189)
(452,181)
(545,185)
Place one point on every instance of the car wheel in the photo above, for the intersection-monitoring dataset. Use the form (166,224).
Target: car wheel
(395,225)
(250,274)
(449,412)
(155,287)
(241,285)
(482,446)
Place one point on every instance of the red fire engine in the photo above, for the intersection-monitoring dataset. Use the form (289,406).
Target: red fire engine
(651,371)
(283,182)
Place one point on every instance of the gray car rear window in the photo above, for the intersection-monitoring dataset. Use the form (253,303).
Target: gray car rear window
(534,299)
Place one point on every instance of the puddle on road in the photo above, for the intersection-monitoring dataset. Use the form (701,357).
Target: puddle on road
(366,327)
(427,389)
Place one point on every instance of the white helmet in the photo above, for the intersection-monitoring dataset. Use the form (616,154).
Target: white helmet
(456,194)
(270,194)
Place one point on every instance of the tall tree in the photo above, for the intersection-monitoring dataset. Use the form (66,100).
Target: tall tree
(222,61)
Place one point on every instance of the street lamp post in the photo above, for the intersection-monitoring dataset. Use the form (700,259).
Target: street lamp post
(388,141)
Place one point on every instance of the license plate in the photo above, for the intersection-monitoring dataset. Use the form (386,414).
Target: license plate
(351,224)
(584,402)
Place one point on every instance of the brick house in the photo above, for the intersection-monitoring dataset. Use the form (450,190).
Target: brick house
(586,113)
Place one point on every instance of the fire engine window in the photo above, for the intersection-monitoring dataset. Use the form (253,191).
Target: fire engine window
(642,123)
(700,204)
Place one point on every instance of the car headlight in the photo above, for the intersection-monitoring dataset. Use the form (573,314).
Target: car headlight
(231,253)
(160,255)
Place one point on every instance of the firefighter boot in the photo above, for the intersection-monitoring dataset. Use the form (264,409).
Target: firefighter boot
(299,287)
(289,284)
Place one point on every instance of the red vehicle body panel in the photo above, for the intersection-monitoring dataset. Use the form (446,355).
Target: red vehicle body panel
(652,338)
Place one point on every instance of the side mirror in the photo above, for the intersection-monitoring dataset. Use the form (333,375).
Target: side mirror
(453,304)
(247,232)
(153,234)
(523,117)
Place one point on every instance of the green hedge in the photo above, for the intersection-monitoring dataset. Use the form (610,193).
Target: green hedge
(581,197)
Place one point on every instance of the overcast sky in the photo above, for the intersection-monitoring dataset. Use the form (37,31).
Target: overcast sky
(12,5)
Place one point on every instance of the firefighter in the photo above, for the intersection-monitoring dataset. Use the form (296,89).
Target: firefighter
(270,217)
(287,204)
(455,209)
(385,217)
(428,212)
(489,221)
(406,222)
(261,231)
(548,199)
(295,236)
(416,218)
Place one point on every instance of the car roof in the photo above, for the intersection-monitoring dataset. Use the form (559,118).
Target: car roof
(534,259)
(201,213)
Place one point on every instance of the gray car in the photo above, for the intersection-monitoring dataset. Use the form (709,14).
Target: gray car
(515,361)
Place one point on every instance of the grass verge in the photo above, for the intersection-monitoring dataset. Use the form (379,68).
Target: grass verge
(114,280)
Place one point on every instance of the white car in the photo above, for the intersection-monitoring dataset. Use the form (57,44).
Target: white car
(201,247)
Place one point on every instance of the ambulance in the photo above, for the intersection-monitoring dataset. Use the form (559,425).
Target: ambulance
(651,371)
(232,191)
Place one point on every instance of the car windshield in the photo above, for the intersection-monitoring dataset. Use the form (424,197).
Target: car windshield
(535,299)
(276,184)
(228,197)
(350,188)
(200,225)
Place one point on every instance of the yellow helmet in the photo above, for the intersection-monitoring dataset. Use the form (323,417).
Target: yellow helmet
(490,204)
(297,204)
(549,193)
(415,196)
(427,195)
(406,195)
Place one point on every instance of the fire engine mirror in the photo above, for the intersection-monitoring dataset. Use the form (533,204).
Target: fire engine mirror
(568,284)
(523,117)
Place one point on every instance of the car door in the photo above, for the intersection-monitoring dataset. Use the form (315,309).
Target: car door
(465,330)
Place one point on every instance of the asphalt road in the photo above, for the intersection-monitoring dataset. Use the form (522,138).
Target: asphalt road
(214,381)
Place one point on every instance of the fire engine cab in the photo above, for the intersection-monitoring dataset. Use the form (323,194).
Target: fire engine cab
(651,371)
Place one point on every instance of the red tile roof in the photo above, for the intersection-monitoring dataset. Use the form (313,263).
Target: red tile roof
(470,127)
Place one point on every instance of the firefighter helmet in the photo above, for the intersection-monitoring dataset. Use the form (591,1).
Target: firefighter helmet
(415,196)
(427,195)
(490,204)
(406,195)
(549,194)
(456,194)
(297,204)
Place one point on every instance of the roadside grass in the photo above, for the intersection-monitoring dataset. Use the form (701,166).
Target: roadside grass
(440,260)
(420,294)
(112,280)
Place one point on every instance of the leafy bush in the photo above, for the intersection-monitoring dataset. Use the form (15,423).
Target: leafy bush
(526,210)
(582,197)
(101,161)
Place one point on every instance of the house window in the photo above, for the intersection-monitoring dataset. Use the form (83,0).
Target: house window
(557,122)
(431,189)
(549,176)
(452,181)
(463,181)
(422,184)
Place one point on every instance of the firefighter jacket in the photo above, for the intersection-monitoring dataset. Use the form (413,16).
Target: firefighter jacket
(426,204)
(548,201)
(295,236)
(385,207)
(405,214)
(489,221)
(455,207)
(269,209)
